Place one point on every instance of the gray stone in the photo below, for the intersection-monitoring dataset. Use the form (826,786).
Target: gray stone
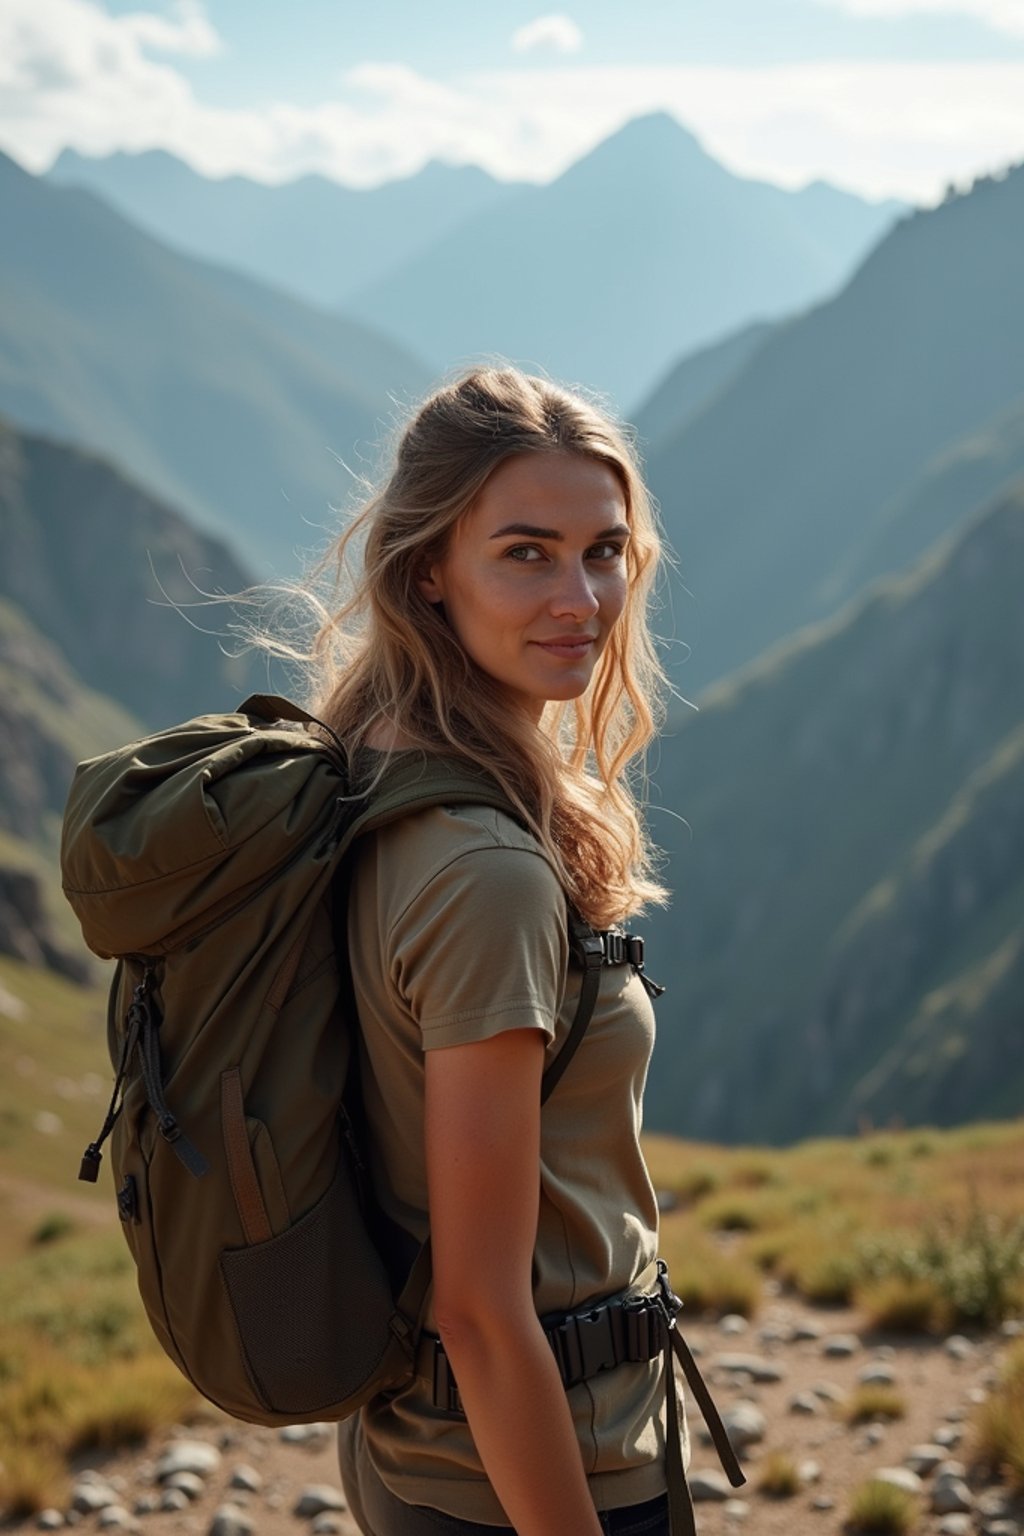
(115,1517)
(190,1483)
(948,1436)
(840,1346)
(950,1495)
(246,1478)
(736,1509)
(311,1435)
(828,1391)
(89,1496)
(316,1498)
(188,1456)
(805,1402)
(955,1525)
(146,1504)
(871,1436)
(754,1366)
(877,1375)
(1000,1528)
(1012,1328)
(229,1520)
(809,1472)
(708,1485)
(993,1503)
(172,1499)
(958,1347)
(977,1396)
(950,1471)
(899,1477)
(955,1415)
(733,1322)
(823,1501)
(745,1424)
(49,1520)
(806,1332)
(775,1333)
(326,1525)
(923,1459)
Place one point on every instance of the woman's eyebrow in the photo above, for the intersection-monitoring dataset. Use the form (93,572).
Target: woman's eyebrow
(530,531)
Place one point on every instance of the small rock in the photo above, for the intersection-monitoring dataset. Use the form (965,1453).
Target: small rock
(884,1352)
(950,1496)
(73,1517)
(172,1499)
(923,1459)
(146,1504)
(823,1501)
(311,1435)
(775,1333)
(115,1517)
(1012,1328)
(977,1396)
(190,1483)
(828,1391)
(958,1347)
(840,1346)
(809,1472)
(955,1525)
(89,1496)
(992,1503)
(948,1436)
(49,1520)
(805,1402)
(899,1477)
(755,1366)
(246,1478)
(876,1376)
(229,1520)
(1000,1528)
(950,1471)
(188,1456)
(733,1322)
(745,1424)
(806,1332)
(871,1436)
(736,1509)
(708,1485)
(326,1525)
(955,1415)
(317,1498)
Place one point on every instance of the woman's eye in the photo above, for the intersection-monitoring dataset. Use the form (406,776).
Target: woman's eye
(607,551)
(523,552)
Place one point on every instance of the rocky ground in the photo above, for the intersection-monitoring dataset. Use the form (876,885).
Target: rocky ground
(780,1383)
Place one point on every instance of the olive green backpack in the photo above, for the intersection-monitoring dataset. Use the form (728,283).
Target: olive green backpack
(204,859)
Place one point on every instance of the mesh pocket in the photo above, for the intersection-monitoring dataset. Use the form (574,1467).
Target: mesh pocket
(313,1306)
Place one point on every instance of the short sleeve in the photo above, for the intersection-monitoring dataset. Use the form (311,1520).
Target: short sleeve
(481,948)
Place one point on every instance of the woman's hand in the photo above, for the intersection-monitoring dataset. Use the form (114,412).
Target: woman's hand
(483,1173)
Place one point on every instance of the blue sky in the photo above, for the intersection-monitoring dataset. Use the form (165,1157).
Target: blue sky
(883,96)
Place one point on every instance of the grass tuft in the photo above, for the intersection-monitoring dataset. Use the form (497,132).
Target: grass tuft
(998,1424)
(32,1477)
(56,1225)
(872,1401)
(779,1476)
(904,1304)
(881,1509)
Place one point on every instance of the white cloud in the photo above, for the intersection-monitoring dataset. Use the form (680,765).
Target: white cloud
(559,33)
(72,74)
(186,31)
(1001,15)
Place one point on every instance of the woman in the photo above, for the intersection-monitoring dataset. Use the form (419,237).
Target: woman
(501,617)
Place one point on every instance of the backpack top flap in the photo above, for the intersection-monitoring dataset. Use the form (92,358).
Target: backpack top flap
(163,837)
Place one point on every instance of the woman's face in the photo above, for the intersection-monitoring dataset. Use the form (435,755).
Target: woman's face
(534,577)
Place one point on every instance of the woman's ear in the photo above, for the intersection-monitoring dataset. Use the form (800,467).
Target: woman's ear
(428,581)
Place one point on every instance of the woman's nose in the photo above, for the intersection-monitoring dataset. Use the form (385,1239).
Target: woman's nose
(575,595)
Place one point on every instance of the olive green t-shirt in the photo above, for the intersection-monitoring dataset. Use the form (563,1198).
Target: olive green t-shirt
(457,933)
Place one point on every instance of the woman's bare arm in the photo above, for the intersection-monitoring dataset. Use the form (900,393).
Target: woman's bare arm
(483,1171)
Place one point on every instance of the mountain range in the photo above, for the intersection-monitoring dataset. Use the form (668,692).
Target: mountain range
(642,250)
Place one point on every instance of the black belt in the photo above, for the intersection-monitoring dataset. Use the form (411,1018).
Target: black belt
(597,1338)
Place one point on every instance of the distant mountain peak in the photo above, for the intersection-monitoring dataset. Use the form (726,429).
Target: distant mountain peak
(657,139)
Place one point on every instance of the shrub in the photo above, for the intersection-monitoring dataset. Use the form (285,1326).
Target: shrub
(53,1226)
(975,1264)
(881,1509)
(903,1304)
(31,1478)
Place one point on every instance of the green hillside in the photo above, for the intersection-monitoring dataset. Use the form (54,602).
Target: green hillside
(798,479)
(231,401)
(850,881)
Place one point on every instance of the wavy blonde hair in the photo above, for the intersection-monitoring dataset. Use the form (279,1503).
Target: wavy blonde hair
(386,658)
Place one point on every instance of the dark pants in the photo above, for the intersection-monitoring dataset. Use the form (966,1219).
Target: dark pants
(378,1512)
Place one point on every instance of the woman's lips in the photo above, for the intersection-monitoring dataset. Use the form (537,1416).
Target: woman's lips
(570,646)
